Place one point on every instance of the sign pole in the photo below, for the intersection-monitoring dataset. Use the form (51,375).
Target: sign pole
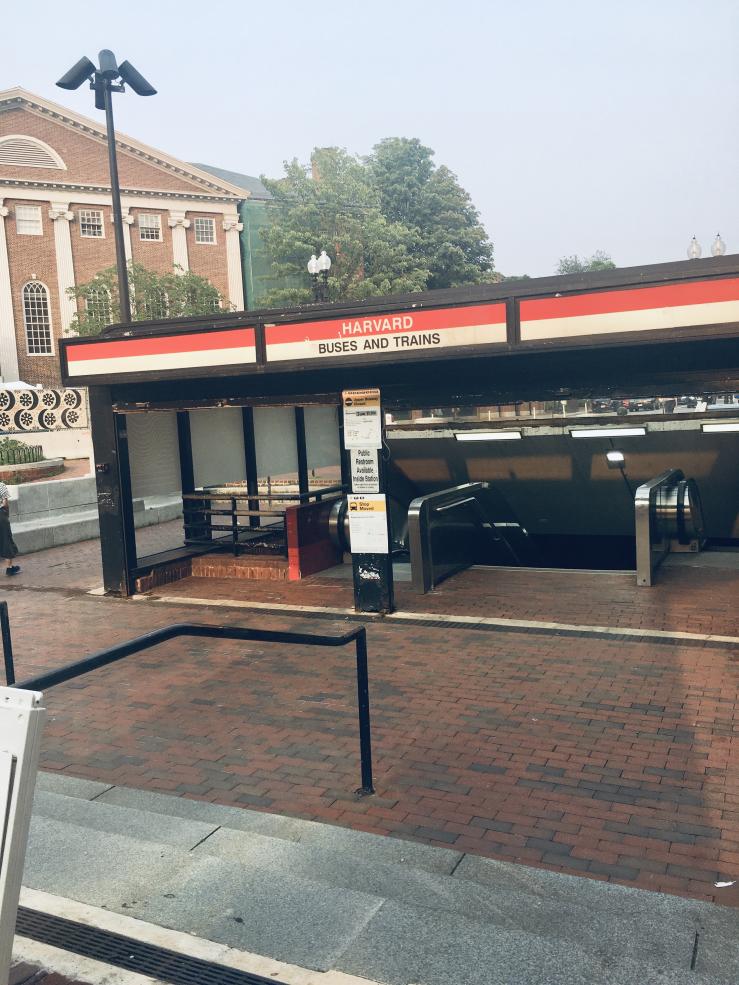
(369,521)
(21,722)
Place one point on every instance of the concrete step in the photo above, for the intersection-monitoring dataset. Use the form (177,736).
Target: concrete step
(202,856)
(291,920)
(369,847)
(69,525)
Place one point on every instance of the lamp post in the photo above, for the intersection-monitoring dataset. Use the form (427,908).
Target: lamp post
(318,268)
(103,81)
(719,247)
(694,250)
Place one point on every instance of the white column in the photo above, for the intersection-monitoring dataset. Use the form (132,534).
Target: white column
(8,344)
(178,224)
(232,227)
(61,217)
(127,223)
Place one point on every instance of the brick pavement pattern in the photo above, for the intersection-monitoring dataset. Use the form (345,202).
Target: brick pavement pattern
(692,600)
(605,758)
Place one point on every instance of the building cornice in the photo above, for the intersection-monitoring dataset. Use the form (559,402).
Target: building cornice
(18,97)
(53,186)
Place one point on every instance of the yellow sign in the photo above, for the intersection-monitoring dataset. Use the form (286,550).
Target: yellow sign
(368,524)
(363,506)
(361,398)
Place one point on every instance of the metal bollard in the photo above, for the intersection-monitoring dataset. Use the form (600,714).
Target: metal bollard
(7,644)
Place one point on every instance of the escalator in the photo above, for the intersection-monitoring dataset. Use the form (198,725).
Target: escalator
(455,528)
(448,530)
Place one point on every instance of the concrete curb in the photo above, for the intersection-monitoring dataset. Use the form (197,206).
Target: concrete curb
(148,933)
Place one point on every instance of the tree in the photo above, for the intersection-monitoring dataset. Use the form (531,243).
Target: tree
(333,206)
(600,260)
(171,295)
(449,239)
(392,223)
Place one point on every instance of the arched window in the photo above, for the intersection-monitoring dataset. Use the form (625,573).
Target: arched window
(97,304)
(20,151)
(156,304)
(37,319)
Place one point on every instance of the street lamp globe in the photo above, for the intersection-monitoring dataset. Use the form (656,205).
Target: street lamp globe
(324,262)
(719,247)
(694,250)
(313,267)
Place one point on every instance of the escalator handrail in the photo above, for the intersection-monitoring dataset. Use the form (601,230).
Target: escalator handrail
(652,544)
(420,512)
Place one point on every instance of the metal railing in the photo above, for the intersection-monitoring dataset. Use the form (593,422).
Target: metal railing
(445,531)
(668,517)
(112,654)
(253,537)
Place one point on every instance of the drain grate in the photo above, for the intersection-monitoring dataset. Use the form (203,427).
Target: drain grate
(128,953)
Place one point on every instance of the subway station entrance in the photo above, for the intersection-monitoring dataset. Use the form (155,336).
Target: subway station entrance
(586,421)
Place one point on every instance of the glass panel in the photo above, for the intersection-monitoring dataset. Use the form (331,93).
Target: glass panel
(322,446)
(610,406)
(154,459)
(218,447)
(276,449)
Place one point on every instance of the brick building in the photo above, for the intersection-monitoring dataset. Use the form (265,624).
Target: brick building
(56,224)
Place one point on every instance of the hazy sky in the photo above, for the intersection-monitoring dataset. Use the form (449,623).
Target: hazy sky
(575,125)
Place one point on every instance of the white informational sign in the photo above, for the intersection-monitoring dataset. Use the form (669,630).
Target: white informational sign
(362,419)
(365,470)
(21,723)
(368,524)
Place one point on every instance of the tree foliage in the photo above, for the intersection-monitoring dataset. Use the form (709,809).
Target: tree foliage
(391,223)
(171,295)
(448,239)
(600,260)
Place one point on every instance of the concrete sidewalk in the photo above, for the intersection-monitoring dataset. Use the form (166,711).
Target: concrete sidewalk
(325,898)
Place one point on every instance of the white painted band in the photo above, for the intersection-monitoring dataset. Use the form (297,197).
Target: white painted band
(680,316)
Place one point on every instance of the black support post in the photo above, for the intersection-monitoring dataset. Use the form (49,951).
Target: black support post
(250,460)
(184,442)
(373,573)
(302,450)
(115,503)
(8,645)
(194,523)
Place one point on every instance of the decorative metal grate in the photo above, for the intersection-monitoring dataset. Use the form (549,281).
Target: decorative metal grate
(128,953)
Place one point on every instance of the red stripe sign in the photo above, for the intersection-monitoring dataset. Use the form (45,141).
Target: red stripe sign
(111,357)
(707,302)
(387,334)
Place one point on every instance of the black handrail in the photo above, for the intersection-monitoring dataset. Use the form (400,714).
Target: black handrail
(113,653)
(316,494)
(7,645)
(197,520)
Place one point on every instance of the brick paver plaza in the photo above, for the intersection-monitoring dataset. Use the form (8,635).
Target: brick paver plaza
(604,757)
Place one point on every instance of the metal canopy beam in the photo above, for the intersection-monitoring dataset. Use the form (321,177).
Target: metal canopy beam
(382,338)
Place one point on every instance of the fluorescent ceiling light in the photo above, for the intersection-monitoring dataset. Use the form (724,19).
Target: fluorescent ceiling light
(487,435)
(608,432)
(723,426)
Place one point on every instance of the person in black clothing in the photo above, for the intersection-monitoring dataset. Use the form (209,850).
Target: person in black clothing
(8,549)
